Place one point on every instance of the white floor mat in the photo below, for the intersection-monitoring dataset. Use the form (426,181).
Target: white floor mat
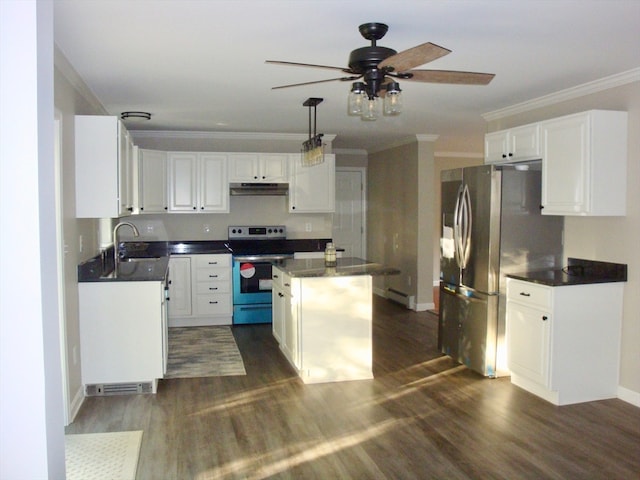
(102,455)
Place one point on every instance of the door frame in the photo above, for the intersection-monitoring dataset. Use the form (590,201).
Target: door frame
(363,201)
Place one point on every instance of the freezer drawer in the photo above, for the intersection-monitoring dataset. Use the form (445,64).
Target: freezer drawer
(468,328)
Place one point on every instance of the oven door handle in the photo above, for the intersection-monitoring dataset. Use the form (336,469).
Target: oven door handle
(261,258)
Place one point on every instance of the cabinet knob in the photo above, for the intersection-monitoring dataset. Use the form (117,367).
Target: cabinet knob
(504,155)
(166,208)
(194,208)
(511,154)
(545,318)
(141,209)
(255,177)
(201,208)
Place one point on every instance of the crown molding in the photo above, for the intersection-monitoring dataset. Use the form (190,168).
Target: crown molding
(349,151)
(420,137)
(588,88)
(191,135)
(62,64)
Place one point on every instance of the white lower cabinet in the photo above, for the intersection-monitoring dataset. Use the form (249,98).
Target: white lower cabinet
(200,290)
(323,325)
(123,333)
(564,342)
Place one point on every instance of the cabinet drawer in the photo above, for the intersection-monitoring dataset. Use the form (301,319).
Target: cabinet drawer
(213,304)
(213,275)
(212,287)
(529,293)
(203,261)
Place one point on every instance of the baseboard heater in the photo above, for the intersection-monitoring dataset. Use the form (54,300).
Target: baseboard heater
(103,389)
(401,298)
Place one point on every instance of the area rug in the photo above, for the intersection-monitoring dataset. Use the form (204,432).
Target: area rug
(102,456)
(203,352)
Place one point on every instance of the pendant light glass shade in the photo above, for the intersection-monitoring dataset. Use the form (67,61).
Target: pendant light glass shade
(357,98)
(393,99)
(371,109)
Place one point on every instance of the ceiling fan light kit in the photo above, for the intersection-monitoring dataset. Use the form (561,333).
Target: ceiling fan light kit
(378,67)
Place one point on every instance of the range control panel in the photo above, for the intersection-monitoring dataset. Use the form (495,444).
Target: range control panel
(248,232)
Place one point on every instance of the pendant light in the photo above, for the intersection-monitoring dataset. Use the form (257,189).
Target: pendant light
(393,99)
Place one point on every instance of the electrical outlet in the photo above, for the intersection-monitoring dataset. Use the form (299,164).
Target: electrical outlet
(206,228)
(80,244)
(75,355)
(150,228)
(307,227)
(409,280)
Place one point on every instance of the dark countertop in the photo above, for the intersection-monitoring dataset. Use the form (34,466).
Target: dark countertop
(577,272)
(152,258)
(346,267)
(140,270)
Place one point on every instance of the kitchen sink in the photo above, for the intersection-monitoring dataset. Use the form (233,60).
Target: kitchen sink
(138,259)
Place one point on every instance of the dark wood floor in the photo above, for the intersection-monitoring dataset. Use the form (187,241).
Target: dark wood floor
(422,417)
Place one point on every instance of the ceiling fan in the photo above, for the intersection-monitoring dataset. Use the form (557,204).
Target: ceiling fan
(380,66)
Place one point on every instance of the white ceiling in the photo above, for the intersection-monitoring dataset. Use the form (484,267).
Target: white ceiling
(200,65)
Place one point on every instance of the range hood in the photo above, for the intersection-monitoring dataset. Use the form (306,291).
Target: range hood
(259,188)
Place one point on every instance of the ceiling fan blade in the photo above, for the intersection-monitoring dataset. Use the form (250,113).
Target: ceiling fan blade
(448,76)
(414,57)
(342,79)
(295,64)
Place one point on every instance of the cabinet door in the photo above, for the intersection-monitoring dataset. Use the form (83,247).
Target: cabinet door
(180,286)
(98,180)
(273,167)
(495,147)
(528,338)
(291,333)
(312,189)
(243,167)
(153,181)
(278,305)
(213,186)
(565,166)
(524,142)
(183,182)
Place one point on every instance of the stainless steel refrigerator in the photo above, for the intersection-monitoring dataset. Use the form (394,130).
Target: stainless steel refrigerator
(491,226)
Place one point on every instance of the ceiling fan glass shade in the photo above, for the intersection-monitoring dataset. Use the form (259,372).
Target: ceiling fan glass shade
(393,99)
(357,98)
(371,110)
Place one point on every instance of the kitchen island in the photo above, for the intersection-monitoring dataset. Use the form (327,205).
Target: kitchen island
(322,317)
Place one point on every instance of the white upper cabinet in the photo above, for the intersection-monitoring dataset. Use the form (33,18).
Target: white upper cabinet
(584,164)
(104,167)
(152,189)
(516,144)
(258,167)
(198,182)
(312,188)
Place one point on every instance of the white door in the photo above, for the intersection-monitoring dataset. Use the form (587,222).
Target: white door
(349,218)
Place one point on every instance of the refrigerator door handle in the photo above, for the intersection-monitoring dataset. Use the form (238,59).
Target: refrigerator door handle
(457,220)
(467,224)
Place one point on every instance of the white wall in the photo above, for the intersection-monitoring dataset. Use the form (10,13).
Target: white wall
(31,414)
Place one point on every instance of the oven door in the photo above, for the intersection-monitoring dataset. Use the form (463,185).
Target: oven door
(252,278)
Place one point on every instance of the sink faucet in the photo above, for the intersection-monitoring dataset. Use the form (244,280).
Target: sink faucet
(115,240)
